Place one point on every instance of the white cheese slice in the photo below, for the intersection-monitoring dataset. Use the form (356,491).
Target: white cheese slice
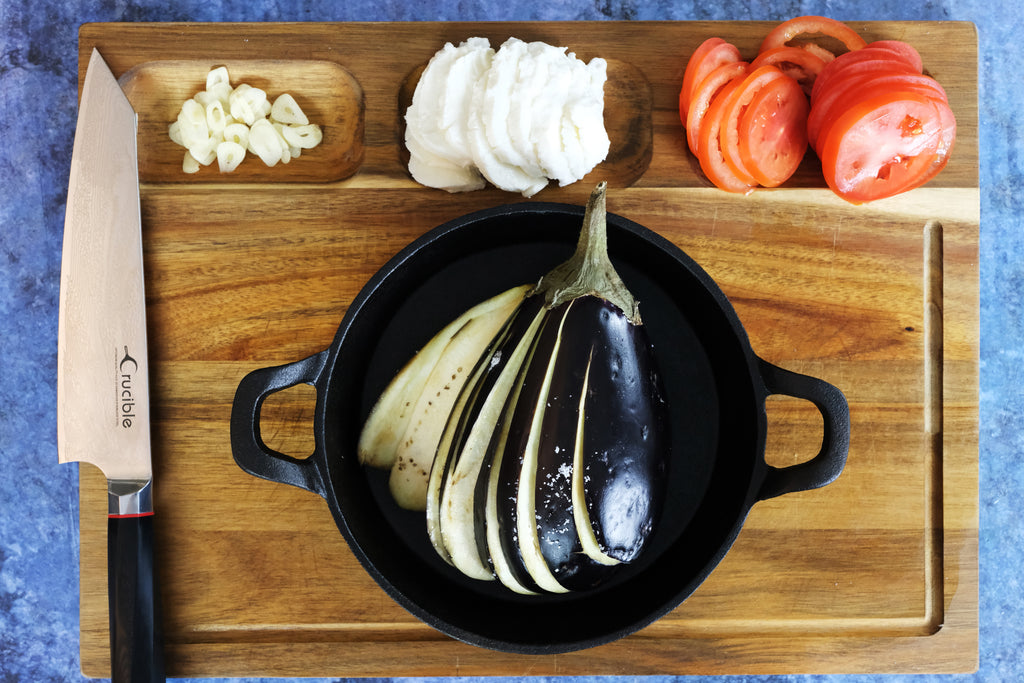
(505,176)
(424,114)
(472,61)
(438,172)
(498,96)
(517,117)
(546,130)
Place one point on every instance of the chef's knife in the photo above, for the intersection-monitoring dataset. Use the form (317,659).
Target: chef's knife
(102,364)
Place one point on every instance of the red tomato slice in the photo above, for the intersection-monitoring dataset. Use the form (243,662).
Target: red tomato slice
(948,137)
(818,51)
(847,93)
(904,51)
(709,149)
(839,78)
(703,95)
(773,134)
(847,61)
(736,103)
(708,56)
(801,65)
(811,25)
(885,145)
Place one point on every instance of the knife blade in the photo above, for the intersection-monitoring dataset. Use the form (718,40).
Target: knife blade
(102,362)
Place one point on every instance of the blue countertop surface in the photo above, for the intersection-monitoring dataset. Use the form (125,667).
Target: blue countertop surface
(39,621)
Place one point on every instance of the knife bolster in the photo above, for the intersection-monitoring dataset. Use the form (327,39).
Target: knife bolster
(129,497)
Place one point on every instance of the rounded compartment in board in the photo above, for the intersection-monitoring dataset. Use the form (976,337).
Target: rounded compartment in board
(326,92)
(628,103)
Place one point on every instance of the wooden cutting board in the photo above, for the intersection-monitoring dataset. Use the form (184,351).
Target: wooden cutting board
(876,572)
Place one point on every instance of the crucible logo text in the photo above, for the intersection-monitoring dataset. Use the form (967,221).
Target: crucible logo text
(127,368)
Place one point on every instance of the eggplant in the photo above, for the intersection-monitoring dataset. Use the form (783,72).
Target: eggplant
(402,431)
(548,462)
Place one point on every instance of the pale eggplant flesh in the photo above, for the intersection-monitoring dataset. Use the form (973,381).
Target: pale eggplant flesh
(550,467)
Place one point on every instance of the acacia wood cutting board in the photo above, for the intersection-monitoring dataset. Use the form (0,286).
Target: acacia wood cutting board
(876,572)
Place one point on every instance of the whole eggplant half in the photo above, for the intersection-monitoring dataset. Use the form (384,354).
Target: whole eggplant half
(544,422)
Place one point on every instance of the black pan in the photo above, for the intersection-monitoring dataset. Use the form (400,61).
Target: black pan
(716,388)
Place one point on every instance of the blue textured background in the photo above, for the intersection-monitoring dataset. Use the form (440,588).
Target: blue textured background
(38,93)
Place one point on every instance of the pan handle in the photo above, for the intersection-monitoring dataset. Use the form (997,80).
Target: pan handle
(247,445)
(824,467)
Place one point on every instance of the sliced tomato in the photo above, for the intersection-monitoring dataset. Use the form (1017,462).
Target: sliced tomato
(948,137)
(812,25)
(885,145)
(850,60)
(709,153)
(703,95)
(710,54)
(732,108)
(904,51)
(840,78)
(818,51)
(773,132)
(801,65)
(847,93)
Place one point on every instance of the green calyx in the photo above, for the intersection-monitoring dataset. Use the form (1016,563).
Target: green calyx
(589,272)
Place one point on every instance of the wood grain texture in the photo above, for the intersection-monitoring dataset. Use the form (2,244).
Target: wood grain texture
(875,572)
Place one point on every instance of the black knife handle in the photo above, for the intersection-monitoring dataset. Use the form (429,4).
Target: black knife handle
(136,650)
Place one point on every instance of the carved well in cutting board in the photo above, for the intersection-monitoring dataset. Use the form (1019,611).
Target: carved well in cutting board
(328,94)
(627,118)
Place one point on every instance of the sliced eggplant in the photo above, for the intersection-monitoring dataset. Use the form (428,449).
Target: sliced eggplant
(543,427)
(406,424)
(460,458)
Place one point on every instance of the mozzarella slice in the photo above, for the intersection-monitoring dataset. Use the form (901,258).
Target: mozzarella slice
(546,130)
(517,117)
(438,172)
(533,74)
(423,115)
(472,62)
(498,95)
(588,116)
(505,176)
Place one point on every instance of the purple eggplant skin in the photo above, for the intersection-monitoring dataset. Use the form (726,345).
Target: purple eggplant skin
(510,458)
(625,441)
(496,360)
(626,434)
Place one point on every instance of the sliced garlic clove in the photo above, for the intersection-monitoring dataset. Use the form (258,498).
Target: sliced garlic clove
(204,98)
(174,131)
(216,118)
(237,133)
(217,75)
(286,150)
(205,151)
(189,163)
(264,142)
(286,110)
(264,109)
(192,123)
(304,137)
(221,91)
(229,156)
(246,103)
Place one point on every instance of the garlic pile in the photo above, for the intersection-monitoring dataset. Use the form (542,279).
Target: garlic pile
(517,117)
(223,123)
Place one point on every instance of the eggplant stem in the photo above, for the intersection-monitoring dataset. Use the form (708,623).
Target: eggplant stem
(589,272)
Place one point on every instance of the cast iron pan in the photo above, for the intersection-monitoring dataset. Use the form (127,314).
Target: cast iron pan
(716,388)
